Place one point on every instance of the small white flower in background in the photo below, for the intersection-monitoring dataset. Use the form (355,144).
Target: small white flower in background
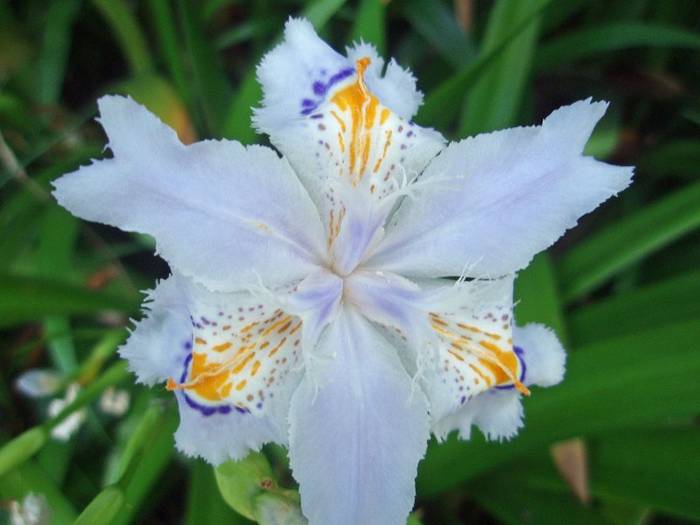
(310,303)
(37,383)
(114,402)
(34,510)
(69,426)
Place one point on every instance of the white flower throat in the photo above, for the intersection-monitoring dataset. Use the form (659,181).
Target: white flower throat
(239,356)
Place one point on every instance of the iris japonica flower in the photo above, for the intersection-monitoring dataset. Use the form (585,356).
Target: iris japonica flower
(354,295)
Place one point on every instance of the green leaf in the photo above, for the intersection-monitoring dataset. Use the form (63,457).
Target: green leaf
(517,501)
(56,243)
(438,26)
(537,296)
(55,47)
(604,38)
(680,158)
(238,123)
(494,100)
(658,467)
(637,310)
(148,467)
(319,12)
(241,481)
(103,509)
(616,384)
(441,105)
(169,43)
(204,501)
(25,299)
(369,24)
(647,467)
(126,28)
(240,33)
(594,260)
(21,448)
(213,92)
(112,376)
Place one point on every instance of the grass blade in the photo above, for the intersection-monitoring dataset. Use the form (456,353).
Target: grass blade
(437,25)
(369,24)
(55,48)
(494,100)
(128,33)
(605,38)
(168,38)
(594,260)
(213,92)
(25,299)
(637,310)
(441,105)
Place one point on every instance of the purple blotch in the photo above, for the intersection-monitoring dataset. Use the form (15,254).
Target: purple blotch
(320,89)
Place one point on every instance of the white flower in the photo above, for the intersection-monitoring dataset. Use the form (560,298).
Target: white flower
(34,510)
(114,402)
(37,382)
(69,426)
(308,304)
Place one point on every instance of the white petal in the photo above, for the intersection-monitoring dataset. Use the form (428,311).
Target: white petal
(160,342)
(475,352)
(543,354)
(221,213)
(246,353)
(352,149)
(499,413)
(487,204)
(316,301)
(388,299)
(288,72)
(233,388)
(233,359)
(458,334)
(356,441)
(396,88)
(219,437)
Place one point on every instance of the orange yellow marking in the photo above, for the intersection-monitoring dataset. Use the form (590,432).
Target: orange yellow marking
(362,106)
(387,143)
(222,347)
(502,364)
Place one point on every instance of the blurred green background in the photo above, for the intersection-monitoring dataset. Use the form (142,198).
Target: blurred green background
(617,443)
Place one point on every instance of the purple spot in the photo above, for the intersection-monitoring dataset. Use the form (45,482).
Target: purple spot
(321,88)
(188,345)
